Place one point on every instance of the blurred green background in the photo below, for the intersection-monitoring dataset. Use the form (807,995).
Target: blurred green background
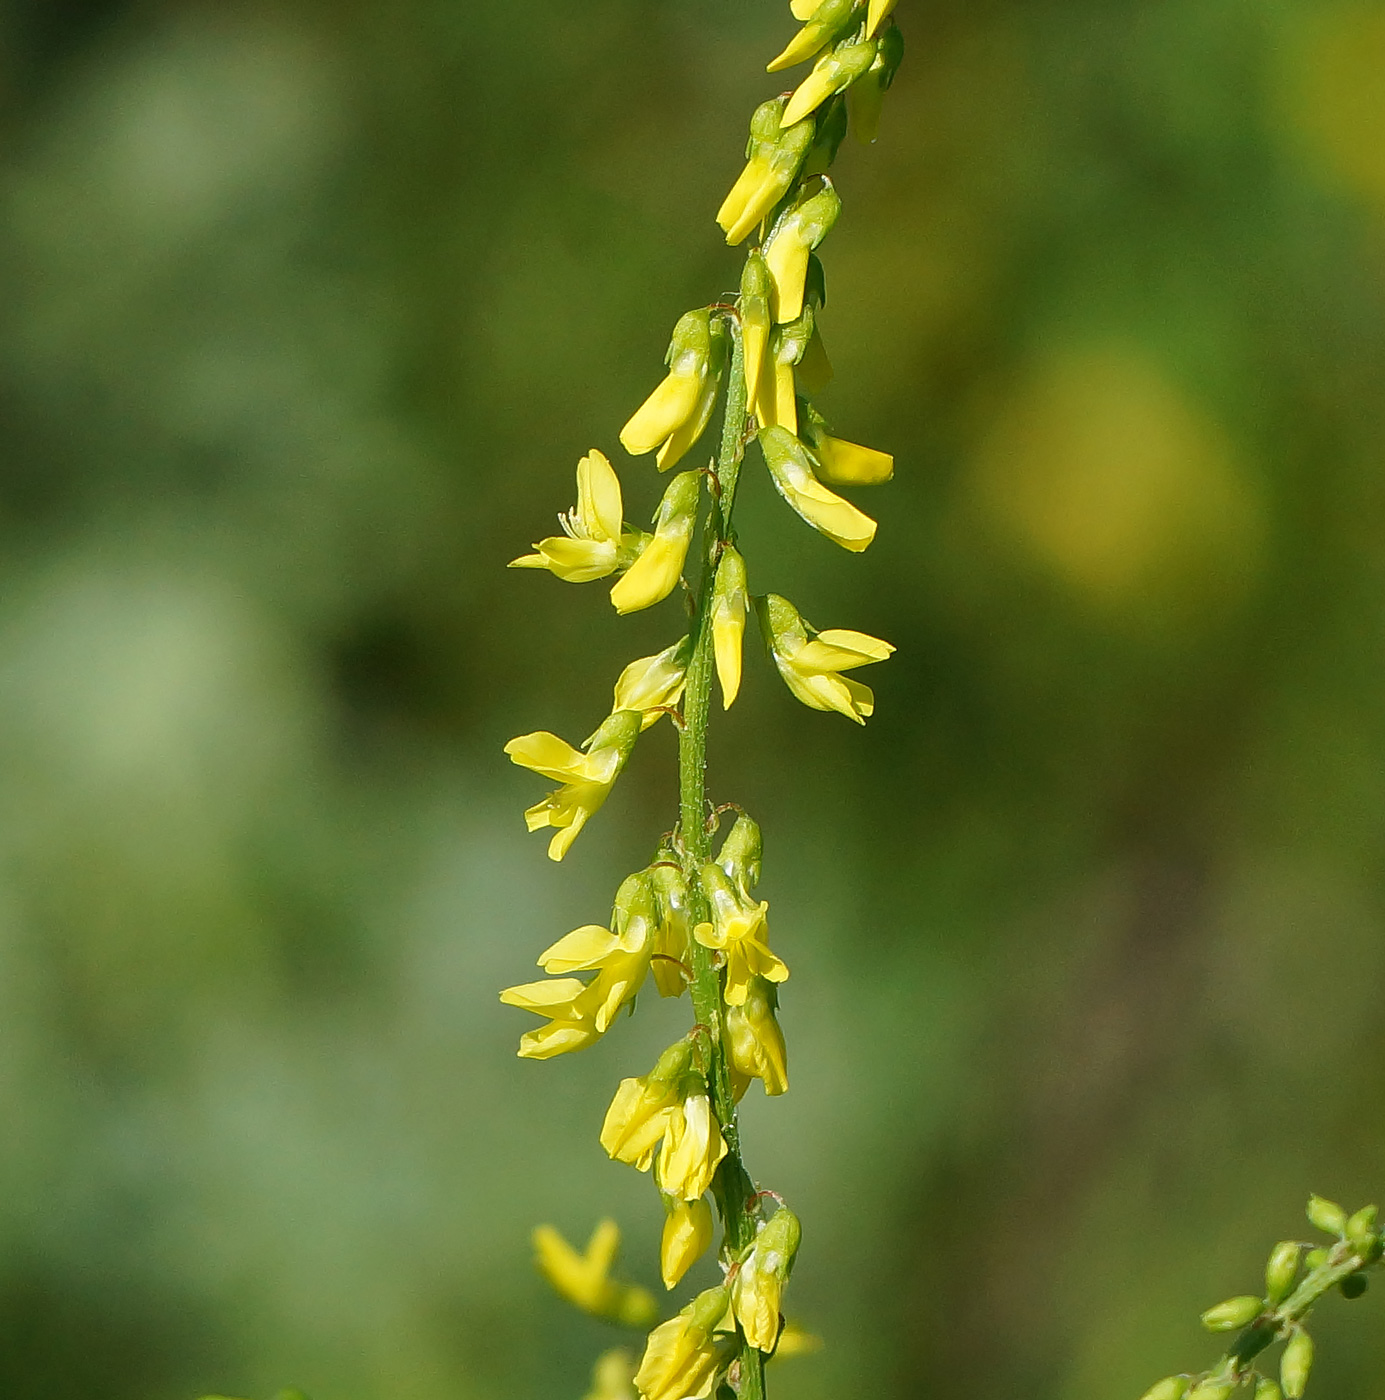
(309,310)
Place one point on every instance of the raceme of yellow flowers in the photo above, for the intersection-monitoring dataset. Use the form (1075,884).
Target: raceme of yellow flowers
(690,921)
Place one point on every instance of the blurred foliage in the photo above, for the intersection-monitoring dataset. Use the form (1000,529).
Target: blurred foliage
(310,310)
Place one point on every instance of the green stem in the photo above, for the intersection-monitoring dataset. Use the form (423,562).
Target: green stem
(733,1187)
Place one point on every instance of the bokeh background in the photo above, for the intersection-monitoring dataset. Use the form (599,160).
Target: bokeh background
(309,310)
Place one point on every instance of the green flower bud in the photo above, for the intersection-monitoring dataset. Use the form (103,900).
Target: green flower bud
(1233,1314)
(1266,1389)
(1281,1270)
(741,852)
(1354,1285)
(1360,1229)
(1295,1365)
(1326,1216)
(1211,1390)
(1170,1388)
(1316,1258)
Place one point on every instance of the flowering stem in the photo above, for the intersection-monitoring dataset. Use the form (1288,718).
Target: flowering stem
(733,1187)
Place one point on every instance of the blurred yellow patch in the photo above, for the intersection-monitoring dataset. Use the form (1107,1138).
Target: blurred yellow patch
(1331,94)
(1109,476)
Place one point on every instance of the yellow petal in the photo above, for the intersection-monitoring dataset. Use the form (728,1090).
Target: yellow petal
(786,256)
(682,440)
(599,505)
(545,997)
(579,951)
(687,1234)
(653,576)
(847,464)
(877,12)
(741,194)
(662,413)
(557,1038)
(804,9)
(810,94)
(554,758)
(824,510)
(839,649)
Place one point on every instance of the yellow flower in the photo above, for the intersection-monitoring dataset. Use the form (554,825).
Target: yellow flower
(775,154)
(758,1285)
(693,1146)
(833,73)
(791,469)
(756,322)
(593,543)
(584,1279)
(655,574)
(586,778)
(638,1116)
(729,605)
(742,853)
(580,1013)
(685,1355)
(739,932)
(756,1041)
(673,417)
(613,1376)
(653,683)
(786,251)
(687,1233)
(826,23)
(811,668)
(668,961)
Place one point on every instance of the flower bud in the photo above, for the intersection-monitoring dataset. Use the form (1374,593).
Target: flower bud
(1211,1390)
(1326,1216)
(867,96)
(1281,1270)
(1295,1365)
(791,469)
(1316,1258)
(1170,1388)
(1354,1285)
(741,853)
(755,320)
(1267,1389)
(687,1233)
(833,73)
(655,574)
(829,20)
(757,1286)
(653,682)
(1360,1230)
(794,237)
(730,602)
(1233,1314)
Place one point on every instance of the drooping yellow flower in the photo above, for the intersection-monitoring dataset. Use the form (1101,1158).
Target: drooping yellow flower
(613,1376)
(668,962)
(693,1147)
(774,155)
(828,20)
(811,667)
(673,417)
(685,1355)
(586,778)
(791,469)
(786,251)
(638,1116)
(585,1279)
(834,72)
(730,602)
(758,1284)
(655,574)
(756,1042)
(687,1233)
(653,683)
(594,542)
(580,1013)
(738,931)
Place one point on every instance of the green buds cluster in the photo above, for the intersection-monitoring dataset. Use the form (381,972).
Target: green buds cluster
(1296,1277)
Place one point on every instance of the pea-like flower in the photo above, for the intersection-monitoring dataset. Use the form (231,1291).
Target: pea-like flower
(774,155)
(687,1233)
(594,542)
(812,666)
(586,778)
(756,1042)
(580,1013)
(756,322)
(674,416)
(653,683)
(788,247)
(655,574)
(757,1287)
(685,1355)
(740,932)
(730,602)
(834,72)
(825,24)
(585,1279)
(791,468)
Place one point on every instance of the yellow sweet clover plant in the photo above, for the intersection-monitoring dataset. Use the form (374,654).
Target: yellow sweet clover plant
(691,921)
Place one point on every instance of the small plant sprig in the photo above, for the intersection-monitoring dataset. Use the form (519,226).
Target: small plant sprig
(1296,1277)
(689,921)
